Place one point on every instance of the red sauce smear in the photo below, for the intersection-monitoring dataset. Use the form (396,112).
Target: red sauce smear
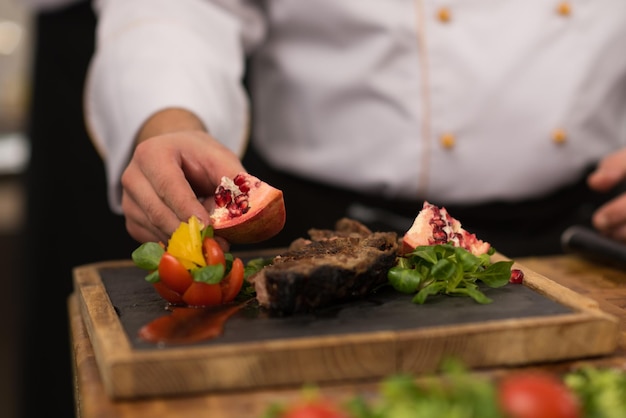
(189,325)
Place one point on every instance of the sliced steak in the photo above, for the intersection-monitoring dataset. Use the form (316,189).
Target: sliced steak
(333,266)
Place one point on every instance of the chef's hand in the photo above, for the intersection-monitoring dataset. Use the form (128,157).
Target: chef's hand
(610,218)
(175,164)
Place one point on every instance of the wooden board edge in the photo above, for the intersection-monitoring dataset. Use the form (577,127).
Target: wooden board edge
(532,340)
(256,365)
(104,264)
(253,366)
(567,297)
(553,290)
(105,331)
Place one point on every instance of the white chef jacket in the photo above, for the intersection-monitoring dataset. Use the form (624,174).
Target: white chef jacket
(458,101)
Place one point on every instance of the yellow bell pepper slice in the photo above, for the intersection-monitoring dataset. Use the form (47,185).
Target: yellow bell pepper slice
(186,244)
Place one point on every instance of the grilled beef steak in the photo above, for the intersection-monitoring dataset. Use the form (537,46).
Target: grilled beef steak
(333,266)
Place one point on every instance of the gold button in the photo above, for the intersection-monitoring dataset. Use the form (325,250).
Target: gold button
(447,140)
(564,9)
(559,136)
(444,15)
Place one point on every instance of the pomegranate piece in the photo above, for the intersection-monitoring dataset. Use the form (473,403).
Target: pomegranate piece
(247,210)
(517,276)
(434,225)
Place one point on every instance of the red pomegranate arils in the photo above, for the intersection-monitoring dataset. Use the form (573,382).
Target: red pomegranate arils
(246,209)
(434,225)
(517,276)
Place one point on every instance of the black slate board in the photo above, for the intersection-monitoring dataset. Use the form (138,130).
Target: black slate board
(137,304)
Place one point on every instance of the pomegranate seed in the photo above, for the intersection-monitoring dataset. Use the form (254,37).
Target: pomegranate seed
(241,200)
(239,179)
(517,276)
(233,195)
(223,197)
(439,235)
(242,183)
(234,210)
(438,222)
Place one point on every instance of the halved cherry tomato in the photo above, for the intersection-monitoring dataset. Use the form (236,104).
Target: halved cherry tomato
(213,253)
(203,294)
(168,294)
(232,283)
(173,274)
(537,395)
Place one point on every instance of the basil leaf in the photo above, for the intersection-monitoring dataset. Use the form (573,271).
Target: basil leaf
(153,277)
(209,274)
(206,233)
(148,255)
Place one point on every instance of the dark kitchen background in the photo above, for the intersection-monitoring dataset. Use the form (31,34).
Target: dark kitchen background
(53,210)
(15,50)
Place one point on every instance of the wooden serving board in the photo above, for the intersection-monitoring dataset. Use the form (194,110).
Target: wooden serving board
(540,321)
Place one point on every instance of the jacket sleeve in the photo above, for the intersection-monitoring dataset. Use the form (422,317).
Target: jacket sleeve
(156,54)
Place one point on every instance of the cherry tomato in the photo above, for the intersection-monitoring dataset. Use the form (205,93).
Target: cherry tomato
(213,253)
(203,294)
(537,395)
(232,283)
(173,274)
(168,294)
(317,408)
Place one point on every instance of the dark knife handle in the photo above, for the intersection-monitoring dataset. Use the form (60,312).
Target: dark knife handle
(591,244)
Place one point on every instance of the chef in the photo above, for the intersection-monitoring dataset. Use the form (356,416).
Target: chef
(512,114)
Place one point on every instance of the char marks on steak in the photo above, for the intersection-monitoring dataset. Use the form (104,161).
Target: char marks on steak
(332,266)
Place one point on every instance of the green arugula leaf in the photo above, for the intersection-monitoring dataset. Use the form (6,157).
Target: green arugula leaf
(405,280)
(444,270)
(496,274)
(447,269)
(254,265)
(468,261)
(429,290)
(472,292)
(427,252)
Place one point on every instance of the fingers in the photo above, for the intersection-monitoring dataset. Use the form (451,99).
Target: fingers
(141,231)
(156,194)
(147,217)
(205,168)
(610,171)
(165,178)
(610,218)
